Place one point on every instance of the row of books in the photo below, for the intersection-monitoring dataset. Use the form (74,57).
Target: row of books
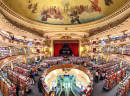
(21,70)
(6,86)
(114,78)
(19,79)
(34,68)
(124,86)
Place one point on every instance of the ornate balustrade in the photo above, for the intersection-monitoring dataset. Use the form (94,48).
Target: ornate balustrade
(11,58)
(19,43)
(125,57)
(124,40)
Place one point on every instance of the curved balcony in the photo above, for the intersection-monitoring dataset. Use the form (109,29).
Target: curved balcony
(119,14)
(10,26)
(110,27)
(11,58)
(121,56)
(125,40)
(10,42)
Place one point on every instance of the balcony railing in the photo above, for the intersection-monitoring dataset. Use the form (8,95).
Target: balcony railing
(9,58)
(117,41)
(121,56)
(15,42)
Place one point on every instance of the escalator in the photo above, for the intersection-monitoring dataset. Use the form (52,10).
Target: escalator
(71,93)
(62,93)
(75,92)
(58,91)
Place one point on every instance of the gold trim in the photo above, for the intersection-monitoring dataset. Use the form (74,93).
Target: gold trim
(106,18)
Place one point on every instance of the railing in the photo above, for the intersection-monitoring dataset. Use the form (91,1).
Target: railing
(15,42)
(110,26)
(85,70)
(10,58)
(110,29)
(71,66)
(124,40)
(122,56)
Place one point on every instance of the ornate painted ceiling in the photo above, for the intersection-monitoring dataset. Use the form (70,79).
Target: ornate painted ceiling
(65,11)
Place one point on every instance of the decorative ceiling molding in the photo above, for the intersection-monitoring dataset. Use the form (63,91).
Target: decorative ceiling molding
(111,25)
(20,28)
(66,37)
(65,41)
(111,29)
(121,12)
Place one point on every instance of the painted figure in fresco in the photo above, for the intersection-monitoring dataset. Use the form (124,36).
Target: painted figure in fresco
(52,11)
(86,8)
(30,6)
(45,14)
(73,12)
(108,2)
(74,19)
(57,13)
(34,8)
(95,5)
(29,1)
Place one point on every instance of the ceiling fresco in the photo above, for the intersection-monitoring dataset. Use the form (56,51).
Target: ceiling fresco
(65,11)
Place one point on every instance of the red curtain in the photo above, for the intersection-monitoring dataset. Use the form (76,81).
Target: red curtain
(74,47)
(57,48)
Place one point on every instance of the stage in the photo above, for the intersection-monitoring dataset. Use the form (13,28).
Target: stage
(66,47)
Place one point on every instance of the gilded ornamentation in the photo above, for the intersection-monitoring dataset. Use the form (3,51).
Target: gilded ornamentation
(66,37)
(123,10)
(126,7)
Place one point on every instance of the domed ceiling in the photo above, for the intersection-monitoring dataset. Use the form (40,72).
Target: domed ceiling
(65,11)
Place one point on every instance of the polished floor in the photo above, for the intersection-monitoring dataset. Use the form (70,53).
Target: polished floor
(97,88)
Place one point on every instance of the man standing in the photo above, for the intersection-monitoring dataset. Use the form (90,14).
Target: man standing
(17,90)
(33,75)
(97,76)
(40,84)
